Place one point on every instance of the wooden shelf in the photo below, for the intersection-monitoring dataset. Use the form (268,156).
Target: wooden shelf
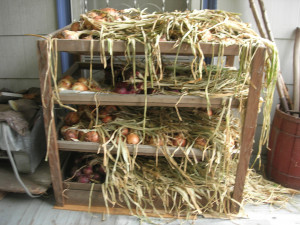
(146,150)
(72,97)
(166,48)
(83,47)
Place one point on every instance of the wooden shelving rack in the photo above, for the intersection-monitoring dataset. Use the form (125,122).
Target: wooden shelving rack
(83,47)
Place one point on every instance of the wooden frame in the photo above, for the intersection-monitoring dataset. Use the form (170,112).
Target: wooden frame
(83,46)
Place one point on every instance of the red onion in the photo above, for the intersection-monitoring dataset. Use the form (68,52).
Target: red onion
(87,170)
(83,179)
(121,90)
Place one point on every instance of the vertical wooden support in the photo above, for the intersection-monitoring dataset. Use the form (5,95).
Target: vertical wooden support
(46,91)
(249,126)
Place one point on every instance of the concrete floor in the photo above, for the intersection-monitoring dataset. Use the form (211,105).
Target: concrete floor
(19,209)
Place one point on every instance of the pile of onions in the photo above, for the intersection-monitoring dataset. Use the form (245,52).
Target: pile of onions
(81,84)
(83,171)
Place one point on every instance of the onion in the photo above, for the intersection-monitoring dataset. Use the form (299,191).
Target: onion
(121,90)
(75,26)
(83,80)
(179,140)
(201,141)
(156,141)
(124,131)
(103,113)
(107,119)
(72,118)
(78,86)
(96,176)
(83,179)
(87,170)
(71,35)
(133,138)
(68,77)
(92,14)
(71,134)
(209,112)
(64,84)
(91,136)
(63,130)
(111,108)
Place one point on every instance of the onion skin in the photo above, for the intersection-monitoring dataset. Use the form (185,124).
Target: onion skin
(125,131)
(201,141)
(75,26)
(63,130)
(92,136)
(107,119)
(111,108)
(72,118)
(78,86)
(83,80)
(71,134)
(156,141)
(87,170)
(133,138)
(179,140)
(83,179)
(64,84)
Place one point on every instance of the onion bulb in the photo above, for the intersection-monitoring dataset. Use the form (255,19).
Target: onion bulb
(72,118)
(83,80)
(201,141)
(83,179)
(111,108)
(64,84)
(71,134)
(91,136)
(133,138)
(75,26)
(179,140)
(87,170)
(107,119)
(125,131)
(78,86)
(63,130)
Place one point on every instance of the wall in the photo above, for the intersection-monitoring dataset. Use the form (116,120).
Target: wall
(18,61)
(284,17)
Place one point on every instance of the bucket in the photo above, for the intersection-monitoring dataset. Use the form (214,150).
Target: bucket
(283,164)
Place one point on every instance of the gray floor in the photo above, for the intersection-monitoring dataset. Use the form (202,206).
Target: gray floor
(20,209)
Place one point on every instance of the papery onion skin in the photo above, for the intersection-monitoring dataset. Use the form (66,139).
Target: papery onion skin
(133,138)
(179,140)
(71,134)
(92,136)
(78,86)
(72,118)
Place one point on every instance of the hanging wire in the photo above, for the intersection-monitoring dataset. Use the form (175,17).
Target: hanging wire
(134,3)
(107,3)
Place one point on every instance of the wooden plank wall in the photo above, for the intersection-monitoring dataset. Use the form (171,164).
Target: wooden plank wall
(284,17)
(18,61)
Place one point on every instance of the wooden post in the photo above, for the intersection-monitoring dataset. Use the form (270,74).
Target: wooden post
(46,92)
(249,126)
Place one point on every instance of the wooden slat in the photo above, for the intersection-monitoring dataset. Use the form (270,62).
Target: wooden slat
(139,100)
(146,150)
(249,126)
(119,47)
(46,90)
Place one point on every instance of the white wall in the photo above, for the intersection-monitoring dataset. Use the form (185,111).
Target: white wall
(284,17)
(18,60)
